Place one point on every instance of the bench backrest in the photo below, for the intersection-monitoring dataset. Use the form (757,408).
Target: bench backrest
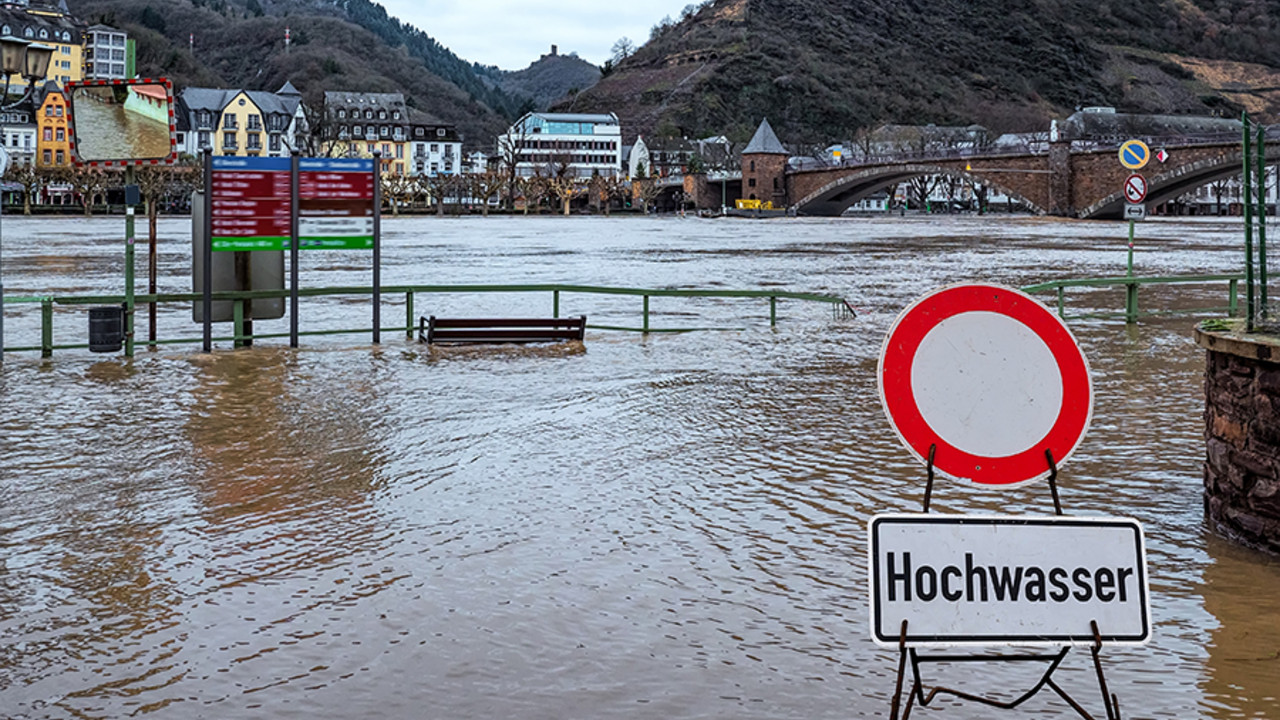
(501,330)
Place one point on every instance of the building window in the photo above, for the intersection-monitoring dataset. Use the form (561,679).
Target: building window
(368,114)
(382,114)
(28,32)
(751,182)
(48,156)
(255,122)
(229,122)
(439,132)
(342,114)
(60,158)
(274,143)
(229,140)
(358,130)
(48,134)
(384,131)
(371,132)
(62,134)
(396,115)
(400,151)
(435,147)
(254,143)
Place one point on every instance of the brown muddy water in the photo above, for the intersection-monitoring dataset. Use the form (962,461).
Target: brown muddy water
(670,526)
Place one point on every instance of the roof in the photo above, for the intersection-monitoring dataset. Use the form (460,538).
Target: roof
(609,118)
(1090,125)
(216,99)
(385,101)
(765,142)
(288,89)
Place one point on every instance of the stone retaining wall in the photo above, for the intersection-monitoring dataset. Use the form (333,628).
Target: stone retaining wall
(1242,434)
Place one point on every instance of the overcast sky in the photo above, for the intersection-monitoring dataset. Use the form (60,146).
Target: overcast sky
(513,34)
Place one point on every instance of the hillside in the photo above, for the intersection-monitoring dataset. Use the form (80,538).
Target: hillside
(347,45)
(822,69)
(548,79)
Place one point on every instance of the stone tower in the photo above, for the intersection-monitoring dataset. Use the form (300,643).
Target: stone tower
(764,168)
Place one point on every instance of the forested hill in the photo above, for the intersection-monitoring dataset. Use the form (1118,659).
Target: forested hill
(336,45)
(822,69)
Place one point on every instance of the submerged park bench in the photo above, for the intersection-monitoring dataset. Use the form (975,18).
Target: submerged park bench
(500,330)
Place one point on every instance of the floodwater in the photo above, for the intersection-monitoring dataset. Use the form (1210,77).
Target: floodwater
(661,526)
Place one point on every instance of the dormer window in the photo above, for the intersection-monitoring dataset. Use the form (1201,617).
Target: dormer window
(382,114)
(439,132)
(368,114)
(44,34)
(342,114)
(396,115)
(28,32)
(6,30)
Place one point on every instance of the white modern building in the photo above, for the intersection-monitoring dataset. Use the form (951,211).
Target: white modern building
(547,143)
(18,134)
(105,53)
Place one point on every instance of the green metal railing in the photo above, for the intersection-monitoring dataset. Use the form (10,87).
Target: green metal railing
(1131,285)
(240,334)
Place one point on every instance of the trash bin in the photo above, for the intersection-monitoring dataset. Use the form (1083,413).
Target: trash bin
(106,328)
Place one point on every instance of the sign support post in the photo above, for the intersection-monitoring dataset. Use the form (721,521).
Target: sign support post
(377,247)
(206,281)
(130,181)
(293,249)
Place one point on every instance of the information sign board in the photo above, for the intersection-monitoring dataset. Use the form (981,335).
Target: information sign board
(335,204)
(970,580)
(1134,211)
(250,203)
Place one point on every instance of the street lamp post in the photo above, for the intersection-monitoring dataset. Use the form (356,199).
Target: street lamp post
(31,61)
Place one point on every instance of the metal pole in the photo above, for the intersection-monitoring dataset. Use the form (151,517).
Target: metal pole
(293,249)
(2,268)
(1131,224)
(377,247)
(130,178)
(1248,232)
(1261,169)
(206,281)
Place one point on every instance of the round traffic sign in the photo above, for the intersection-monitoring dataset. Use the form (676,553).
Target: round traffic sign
(990,378)
(1135,188)
(1134,154)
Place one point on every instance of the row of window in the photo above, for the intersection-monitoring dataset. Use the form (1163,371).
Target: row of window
(565,145)
(368,114)
(49,133)
(43,33)
(582,159)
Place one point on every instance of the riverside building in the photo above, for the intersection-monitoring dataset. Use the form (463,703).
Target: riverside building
(560,144)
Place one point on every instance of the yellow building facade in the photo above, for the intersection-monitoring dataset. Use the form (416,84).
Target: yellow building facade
(53,146)
(45,24)
(240,130)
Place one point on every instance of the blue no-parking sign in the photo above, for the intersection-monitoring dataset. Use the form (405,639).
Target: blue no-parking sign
(1134,154)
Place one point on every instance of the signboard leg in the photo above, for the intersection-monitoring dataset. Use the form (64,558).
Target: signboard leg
(206,281)
(377,248)
(293,251)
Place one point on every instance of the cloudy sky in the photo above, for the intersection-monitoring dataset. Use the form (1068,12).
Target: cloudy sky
(513,34)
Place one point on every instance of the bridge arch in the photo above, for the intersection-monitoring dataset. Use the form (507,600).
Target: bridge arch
(833,198)
(1177,182)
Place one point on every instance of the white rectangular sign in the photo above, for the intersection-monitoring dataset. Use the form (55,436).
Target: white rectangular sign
(1135,211)
(1005,580)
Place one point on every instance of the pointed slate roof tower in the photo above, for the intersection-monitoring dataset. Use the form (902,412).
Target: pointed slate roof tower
(765,141)
(764,168)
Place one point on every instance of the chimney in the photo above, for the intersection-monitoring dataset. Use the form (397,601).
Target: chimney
(553,51)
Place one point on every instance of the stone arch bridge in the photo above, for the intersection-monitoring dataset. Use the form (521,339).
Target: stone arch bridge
(1062,181)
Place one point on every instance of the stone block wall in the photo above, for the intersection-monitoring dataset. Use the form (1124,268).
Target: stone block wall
(1242,438)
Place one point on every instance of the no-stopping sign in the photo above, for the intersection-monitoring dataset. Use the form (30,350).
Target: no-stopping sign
(991,378)
(1135,188)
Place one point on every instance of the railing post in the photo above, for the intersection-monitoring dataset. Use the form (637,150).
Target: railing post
(646,314)
(555,303)
(773,311)
(237,317)
(1131,303)
(1233,297)
(1062,302)
(46,327)
(408,315)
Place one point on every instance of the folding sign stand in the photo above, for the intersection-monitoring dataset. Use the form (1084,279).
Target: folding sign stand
(917,691)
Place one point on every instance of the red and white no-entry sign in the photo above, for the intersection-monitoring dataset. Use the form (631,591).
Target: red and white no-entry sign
(989,376)
(1135,188)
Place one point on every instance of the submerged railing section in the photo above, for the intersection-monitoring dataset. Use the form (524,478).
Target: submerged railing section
(241,324)
(1132,284)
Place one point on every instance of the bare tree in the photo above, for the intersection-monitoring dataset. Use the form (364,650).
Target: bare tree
(535,189)
(511,149)
(31,178)
(485,186)
(565,189)
(88,183)
(398,189)
(647,190)
(622,49)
